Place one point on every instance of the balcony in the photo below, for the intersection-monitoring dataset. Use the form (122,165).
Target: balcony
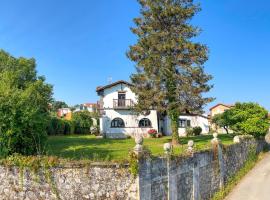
(122,103)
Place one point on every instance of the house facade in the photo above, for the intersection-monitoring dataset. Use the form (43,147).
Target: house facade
(91,107)
(64,113)
(119,120)
(219,109)
(187,121)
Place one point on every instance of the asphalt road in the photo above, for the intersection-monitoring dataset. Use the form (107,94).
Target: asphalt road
(255,185)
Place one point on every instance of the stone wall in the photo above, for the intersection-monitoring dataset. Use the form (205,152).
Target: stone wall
(193,177)
(196,176)
(69,183)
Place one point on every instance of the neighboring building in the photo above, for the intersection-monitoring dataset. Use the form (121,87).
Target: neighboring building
(218,109)
(118,119)
(64,113)
(91,107)
(187,121)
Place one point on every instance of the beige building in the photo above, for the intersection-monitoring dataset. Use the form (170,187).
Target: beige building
(218,109)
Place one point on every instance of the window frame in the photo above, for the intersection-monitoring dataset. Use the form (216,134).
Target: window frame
(184,123)
(143,120)
(117,119)
(188,123)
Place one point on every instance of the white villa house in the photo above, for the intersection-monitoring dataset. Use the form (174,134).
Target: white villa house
(118,120)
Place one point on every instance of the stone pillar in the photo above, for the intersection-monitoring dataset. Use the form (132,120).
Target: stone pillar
(216,143)
(190,147)
(195,185)
(144,171)
(215,140)
(145,182)
(236,139)
(171,192)
(167,148)
(196,181)
(138,149)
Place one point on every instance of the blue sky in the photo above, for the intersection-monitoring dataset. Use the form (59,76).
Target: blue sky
(79,44)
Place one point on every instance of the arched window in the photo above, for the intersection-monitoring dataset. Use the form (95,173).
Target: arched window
(145,123)
(117,123)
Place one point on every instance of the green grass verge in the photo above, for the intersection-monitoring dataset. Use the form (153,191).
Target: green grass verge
(98,149)
(235,179)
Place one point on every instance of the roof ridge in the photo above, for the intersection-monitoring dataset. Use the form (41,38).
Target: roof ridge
(100,88)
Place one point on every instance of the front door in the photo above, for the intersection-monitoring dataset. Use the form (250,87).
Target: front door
(121,99)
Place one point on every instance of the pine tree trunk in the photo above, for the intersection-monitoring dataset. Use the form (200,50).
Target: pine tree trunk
(174,127)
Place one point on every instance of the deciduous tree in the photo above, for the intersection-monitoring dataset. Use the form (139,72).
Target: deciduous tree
(24,110)
(248,118)
(222,120)
(82,121)
(57,105)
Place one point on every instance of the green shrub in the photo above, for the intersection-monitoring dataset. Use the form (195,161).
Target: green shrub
(189,131)
(58,126)
(193,131)
(24,100)
(69,127)
(82,122)
(245,118)
(197,130)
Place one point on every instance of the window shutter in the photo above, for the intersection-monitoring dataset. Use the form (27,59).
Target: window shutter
(188,123)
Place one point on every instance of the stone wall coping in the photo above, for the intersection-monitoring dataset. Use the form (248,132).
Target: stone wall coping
(73,165)
(95,164)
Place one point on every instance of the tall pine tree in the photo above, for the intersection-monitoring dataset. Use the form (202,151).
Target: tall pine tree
(170,75)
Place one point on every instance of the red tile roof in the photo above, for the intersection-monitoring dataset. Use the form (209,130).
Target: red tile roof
(90,104)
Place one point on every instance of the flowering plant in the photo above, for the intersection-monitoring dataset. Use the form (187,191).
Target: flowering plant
(152,132)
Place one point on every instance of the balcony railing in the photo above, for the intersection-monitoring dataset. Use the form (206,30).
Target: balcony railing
(122,103)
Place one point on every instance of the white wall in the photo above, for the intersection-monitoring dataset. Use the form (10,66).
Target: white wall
(131,120)
(195,121)
(112,93)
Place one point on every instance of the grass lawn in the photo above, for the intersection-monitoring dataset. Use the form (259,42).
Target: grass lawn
(97,149)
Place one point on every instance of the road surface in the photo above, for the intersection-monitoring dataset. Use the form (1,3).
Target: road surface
(255,185)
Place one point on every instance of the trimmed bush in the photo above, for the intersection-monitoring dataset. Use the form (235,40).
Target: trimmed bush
(189,131)
(82,122)
(197,130)
(69,127)
(58,126)
(194,131)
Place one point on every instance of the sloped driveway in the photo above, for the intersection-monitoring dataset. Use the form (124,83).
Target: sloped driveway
(255,185)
